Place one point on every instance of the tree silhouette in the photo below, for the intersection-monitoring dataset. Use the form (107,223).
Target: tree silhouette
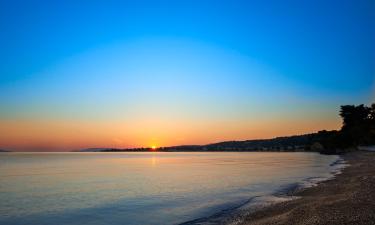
(358,124)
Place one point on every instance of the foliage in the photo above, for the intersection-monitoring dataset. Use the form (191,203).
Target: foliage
(358,128)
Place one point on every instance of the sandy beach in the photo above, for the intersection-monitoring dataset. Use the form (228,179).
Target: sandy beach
(347,199)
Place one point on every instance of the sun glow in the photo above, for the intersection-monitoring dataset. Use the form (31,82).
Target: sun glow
(153,147)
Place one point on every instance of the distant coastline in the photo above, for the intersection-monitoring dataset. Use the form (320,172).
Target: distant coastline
(296,143)
(358,129)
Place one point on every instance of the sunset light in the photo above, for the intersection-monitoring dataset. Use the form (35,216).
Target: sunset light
(204,84)
(164,112)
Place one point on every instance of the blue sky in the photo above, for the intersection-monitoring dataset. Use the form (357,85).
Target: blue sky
(185,60)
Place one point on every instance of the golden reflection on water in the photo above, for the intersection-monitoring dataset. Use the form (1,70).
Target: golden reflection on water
(153,160)
(35,183)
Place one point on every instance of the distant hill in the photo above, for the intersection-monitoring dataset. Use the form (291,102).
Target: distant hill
(279,143)
(2,150)
(92,150)
(357,131)
(306,142)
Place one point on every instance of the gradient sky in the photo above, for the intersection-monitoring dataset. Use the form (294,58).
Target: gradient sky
(79,74)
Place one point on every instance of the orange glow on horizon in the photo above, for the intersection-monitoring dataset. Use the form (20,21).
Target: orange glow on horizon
(67,135)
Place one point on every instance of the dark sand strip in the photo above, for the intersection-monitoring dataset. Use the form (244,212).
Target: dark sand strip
(347,199)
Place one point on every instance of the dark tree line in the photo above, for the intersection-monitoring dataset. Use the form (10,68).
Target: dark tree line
(358,128)
(358,124)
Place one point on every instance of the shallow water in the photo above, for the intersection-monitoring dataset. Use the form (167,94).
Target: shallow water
(143,188)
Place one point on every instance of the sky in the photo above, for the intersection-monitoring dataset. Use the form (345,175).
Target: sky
(82,74)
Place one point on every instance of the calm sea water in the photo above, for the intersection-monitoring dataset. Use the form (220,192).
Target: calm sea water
(142,188)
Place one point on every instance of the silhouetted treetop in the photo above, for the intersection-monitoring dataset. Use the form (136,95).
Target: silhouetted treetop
(358,124)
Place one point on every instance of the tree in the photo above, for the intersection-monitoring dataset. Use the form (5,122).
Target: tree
(358,124)
(372,125)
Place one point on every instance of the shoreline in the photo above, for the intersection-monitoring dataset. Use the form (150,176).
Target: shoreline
(235,215)
(348,198)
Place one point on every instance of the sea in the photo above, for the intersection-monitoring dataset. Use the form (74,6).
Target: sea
(151,188)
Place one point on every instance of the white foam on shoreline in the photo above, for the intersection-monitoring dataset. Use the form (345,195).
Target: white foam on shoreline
(266,201)
(336,168)
(237,215)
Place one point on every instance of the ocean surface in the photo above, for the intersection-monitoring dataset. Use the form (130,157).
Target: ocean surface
(147,188)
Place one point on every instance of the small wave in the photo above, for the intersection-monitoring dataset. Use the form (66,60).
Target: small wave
(236,215)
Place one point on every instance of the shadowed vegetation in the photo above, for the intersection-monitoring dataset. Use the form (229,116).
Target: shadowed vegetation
(358,129)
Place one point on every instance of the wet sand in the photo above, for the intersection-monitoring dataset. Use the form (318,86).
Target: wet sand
(347,199)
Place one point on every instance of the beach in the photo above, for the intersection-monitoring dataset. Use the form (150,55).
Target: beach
(349,198)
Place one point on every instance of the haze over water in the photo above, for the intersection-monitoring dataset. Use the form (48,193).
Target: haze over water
(142,188)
